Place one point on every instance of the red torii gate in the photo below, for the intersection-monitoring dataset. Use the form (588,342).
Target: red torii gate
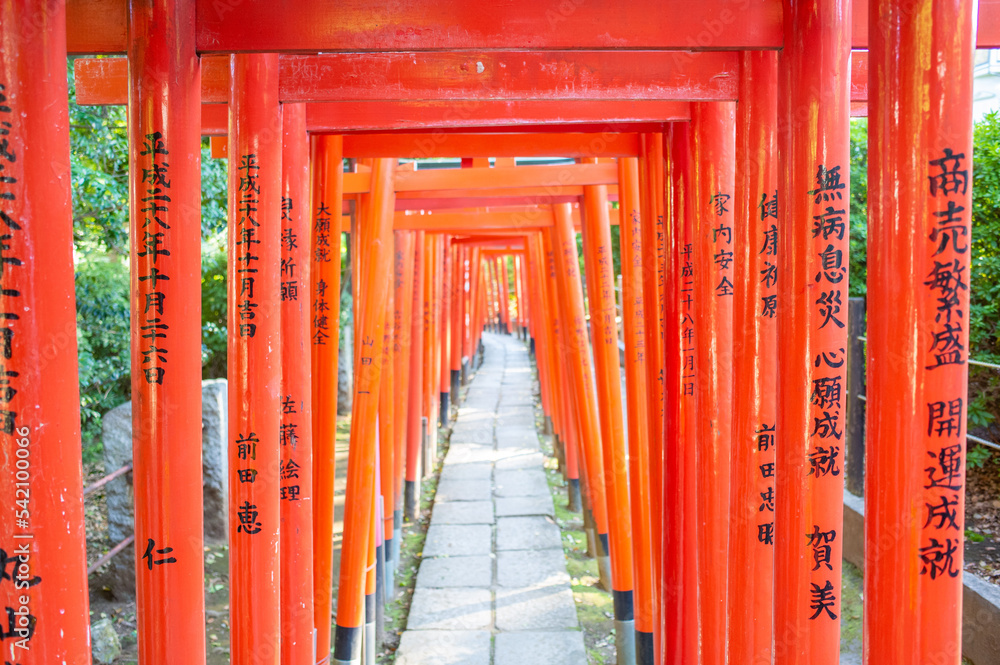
(920,163)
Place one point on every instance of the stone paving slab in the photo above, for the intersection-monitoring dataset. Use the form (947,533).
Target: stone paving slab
(450,609)
(521,482)
(462,490)
(458,540)
(463,512)
(456,571)
(535,608)
(479,471)
(469,453)
(522,568)
(524,505)
(527,533)
(444,647)
(534,647)
(482,435)
(506,440)
(512,459)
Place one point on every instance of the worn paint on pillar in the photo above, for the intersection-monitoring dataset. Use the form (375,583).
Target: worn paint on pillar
(165,221)
(920,207)
(327,172)
(751,530)
(679,619)
(361,471)
(43,589)
(633,324)
(254,367)
(813,250)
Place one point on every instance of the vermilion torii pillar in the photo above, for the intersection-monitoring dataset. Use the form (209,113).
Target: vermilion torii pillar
(295,436)
(444,325)
(919,248)
(43,590)
(372,289)
(254,366)
(403,303)
(387,437)
(813,195)
(327,173)
(599,266)
(678,591)
(415,391)
(165,229)
(714,129)
(582,378)
(751,530)
(633,313)
(651,171)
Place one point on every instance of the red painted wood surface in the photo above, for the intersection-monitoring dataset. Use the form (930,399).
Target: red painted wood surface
(636,360)
(714,156)
(165,150)
(599,269)
(296,452)
(591,144)
(814,193)
(678,620)
(751,539)
(98,26)
(254,365)
(374,269)
(918,308)
(327,173)
(44,580)
(459,76)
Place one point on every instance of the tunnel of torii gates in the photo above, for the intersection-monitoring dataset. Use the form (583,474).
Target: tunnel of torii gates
(720,128)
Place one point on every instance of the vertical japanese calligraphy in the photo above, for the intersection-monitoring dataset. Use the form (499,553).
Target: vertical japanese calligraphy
(714,160)
(949,182)
(258,400)
(828,199)
(154,209)
(812,205)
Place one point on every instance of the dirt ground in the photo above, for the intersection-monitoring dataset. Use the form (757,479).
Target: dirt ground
(122,611)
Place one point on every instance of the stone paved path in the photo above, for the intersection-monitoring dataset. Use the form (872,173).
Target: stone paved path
(492,587)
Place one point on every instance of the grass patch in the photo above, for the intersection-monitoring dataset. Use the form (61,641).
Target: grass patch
(594,605)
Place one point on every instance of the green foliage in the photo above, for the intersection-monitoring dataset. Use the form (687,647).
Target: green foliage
(99,162)
(214,343)
(984,280)
(102,290)
(979,413)
(973,536)
(859,207)
(984,315)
